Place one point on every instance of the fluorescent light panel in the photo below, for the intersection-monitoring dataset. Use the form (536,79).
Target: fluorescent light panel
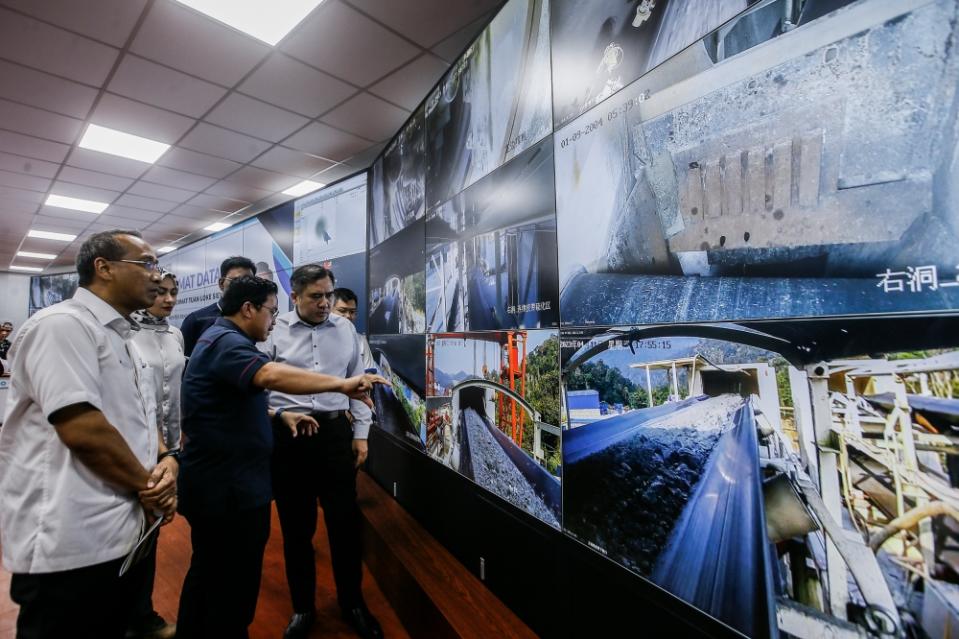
(217,226)
(166,249)
(32,269)
(266,21)
(126,145)
(304,187)
(39,256)
(49,235)
(75,203)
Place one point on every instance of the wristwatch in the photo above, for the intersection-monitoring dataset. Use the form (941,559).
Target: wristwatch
(173,452)
(278,412)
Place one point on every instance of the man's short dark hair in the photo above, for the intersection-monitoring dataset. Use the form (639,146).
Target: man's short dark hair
(247,288)
(237,261)
(103,244)
(345,295)
(305,275)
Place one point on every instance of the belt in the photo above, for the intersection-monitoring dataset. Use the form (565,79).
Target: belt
(328,415)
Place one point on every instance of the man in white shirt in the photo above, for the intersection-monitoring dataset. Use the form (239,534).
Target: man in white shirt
(322,467)
(81,466)
(344,305)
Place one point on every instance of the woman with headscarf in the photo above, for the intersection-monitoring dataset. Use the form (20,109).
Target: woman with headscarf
(160,345)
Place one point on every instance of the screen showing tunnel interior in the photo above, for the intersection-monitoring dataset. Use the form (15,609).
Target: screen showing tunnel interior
(600,46)
(690,457)
(397,284)
(783,166)
(491,251)
(401,408)
(493,103)
(493,414)
(397,185)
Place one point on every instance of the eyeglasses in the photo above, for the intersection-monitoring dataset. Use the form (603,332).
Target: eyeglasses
(316,297)
(150,265)
(274,310)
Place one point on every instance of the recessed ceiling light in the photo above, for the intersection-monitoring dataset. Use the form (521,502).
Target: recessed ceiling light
(39,256)
(217,226)
(266,21)
(126,145)
(304,187)
(49,235)
(32,269)
(166,249)
(75,203)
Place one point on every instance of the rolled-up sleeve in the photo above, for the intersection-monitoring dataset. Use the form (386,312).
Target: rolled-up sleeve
(64,364)
(362,415)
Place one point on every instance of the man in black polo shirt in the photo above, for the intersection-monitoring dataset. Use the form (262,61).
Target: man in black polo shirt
(202,318)
(225,467)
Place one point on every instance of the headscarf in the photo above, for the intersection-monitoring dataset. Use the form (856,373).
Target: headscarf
(144,317)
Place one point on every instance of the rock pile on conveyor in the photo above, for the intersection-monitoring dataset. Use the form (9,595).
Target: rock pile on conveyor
(493,470)
(626,498)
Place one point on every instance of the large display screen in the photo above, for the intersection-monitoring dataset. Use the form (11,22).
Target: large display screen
(397,191)
(331,222)
(401,408)
(47,290)
(397,287)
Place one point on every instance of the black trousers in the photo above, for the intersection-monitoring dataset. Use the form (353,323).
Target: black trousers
(93,601)
(222,585)
(143,601)
(307,469)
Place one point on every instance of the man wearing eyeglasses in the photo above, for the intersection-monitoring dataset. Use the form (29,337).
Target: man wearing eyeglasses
(322,467)
(225,485)
(82,466)
(201,319)
(345,305)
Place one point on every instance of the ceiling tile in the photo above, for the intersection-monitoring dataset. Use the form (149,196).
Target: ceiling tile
(147,203)
(198,163)
(159,192)
(425,21)
(93,178)
(51,218)
(367,116)
(344,42)
(335,173)
(9,196)
(237,191)
(217,203)
(163,87)
(177,224)
(109,21)
(119,220)
(409,86)
(291,162)
(207,138)
(288,83)
(140,216)
(84,192)
(325,141)
(106,163)
(48,48)
(32,147)
(265,180)
(191,42)
(178,179)
(14,208)
(365,158)
(21,181)
(452,47)
(256,118)
(43,90)
(28,166)
(198,213)
(140,119)
(32,121)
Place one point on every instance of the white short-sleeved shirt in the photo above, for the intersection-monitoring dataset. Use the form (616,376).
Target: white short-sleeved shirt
(55,513)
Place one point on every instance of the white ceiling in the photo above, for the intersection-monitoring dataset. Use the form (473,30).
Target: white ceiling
(246,120)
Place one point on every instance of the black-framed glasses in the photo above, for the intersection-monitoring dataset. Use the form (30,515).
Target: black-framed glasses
(150,265)
(316,297)
(274,310)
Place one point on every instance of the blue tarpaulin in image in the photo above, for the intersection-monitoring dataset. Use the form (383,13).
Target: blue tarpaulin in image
(717,556)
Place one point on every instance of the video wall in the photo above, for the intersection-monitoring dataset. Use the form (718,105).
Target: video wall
(589,260)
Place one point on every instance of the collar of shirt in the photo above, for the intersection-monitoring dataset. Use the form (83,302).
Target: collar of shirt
(293,318)
(104,313)
(226,323)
